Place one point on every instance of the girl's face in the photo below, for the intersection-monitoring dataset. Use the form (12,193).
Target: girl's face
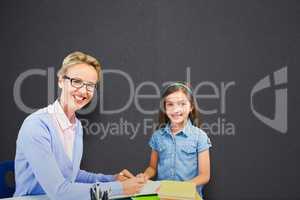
(73,96)
(178,108)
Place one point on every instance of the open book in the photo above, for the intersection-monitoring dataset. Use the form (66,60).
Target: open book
(151,187)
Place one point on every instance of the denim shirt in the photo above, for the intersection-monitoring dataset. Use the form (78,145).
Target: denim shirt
(178,154)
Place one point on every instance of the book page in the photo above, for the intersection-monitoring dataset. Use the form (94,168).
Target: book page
(151,187)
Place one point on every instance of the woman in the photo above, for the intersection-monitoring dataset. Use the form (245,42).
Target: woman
(49,144)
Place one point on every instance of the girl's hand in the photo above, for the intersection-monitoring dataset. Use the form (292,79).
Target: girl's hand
(124,175)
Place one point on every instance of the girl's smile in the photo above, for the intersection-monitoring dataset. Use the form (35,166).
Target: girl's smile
(178,109)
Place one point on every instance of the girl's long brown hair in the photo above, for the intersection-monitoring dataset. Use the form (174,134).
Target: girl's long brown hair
(194,115)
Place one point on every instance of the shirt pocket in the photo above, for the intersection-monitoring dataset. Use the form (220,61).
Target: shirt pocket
(189,151)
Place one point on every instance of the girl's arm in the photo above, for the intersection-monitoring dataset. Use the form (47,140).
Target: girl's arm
(150,172)
(204,169)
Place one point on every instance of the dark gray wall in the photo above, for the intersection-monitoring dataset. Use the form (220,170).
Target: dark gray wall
(230,42)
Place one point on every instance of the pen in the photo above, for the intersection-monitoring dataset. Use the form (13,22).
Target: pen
(92,194)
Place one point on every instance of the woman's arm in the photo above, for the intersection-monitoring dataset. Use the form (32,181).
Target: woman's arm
(89,177)
(204,169)
(35,143)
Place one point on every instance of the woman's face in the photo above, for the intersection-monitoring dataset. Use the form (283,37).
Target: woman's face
(177,108)
(75,98)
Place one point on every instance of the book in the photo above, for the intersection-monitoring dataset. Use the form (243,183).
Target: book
(148,197)
(150,188)
(176,190)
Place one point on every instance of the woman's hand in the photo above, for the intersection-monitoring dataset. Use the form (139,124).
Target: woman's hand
(133,185)
(144,176)
(124,175)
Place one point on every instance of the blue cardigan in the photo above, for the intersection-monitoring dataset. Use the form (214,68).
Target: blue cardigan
(42,166)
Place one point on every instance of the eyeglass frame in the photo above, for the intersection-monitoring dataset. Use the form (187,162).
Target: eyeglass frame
(87,85)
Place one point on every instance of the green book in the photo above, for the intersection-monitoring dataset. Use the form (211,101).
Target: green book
(148,197)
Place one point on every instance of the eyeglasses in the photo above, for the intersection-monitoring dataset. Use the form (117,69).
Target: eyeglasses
(77,83)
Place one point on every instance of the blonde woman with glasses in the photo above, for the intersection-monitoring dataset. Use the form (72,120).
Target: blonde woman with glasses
(49,145)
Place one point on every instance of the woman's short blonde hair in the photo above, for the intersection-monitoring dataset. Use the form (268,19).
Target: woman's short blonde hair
(78,57)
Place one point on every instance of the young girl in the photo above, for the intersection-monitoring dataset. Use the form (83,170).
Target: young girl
(180,149)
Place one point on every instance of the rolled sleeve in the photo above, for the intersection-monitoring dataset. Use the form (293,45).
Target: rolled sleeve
(204,142)
(89,177)
(153,142)
(106,178)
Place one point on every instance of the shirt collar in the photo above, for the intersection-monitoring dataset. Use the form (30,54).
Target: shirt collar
(61,117)
(185,131)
